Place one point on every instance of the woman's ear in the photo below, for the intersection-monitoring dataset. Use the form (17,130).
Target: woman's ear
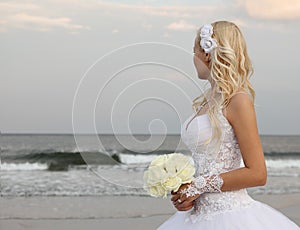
(207,57)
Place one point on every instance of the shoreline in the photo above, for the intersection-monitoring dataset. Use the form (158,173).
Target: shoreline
(108,212)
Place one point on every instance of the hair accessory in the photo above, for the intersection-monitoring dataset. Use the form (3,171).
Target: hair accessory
(206,41)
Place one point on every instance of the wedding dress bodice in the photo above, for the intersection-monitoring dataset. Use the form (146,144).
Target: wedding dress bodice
(208,161)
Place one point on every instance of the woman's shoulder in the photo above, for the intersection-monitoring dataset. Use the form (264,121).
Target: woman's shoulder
(240,102)
(240,96)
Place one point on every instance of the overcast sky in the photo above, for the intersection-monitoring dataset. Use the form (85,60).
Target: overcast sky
(127,65)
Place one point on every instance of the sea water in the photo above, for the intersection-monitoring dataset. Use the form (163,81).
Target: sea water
(57,165)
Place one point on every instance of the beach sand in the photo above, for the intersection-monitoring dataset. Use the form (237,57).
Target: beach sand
(108,212)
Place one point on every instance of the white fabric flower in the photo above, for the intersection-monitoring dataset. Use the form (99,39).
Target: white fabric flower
(206,31)
(208,44)
(206,41)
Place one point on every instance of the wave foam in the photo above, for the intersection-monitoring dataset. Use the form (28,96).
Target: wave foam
(23,166)
(283,163)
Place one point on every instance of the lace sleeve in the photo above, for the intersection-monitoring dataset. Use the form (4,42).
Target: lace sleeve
(203,184)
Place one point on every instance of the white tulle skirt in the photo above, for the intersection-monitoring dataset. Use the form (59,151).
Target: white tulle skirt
(258,216)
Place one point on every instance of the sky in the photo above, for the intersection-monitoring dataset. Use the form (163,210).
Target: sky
(126,66)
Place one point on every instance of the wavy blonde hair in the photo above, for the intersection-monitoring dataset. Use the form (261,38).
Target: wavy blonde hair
(230,70)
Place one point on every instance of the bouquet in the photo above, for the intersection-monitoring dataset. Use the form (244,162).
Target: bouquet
(167,173)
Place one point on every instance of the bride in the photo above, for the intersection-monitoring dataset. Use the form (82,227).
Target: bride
(222,133)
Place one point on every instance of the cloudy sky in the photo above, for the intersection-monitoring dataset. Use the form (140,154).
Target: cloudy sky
(126,66)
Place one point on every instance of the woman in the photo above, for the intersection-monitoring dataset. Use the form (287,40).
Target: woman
(221,134)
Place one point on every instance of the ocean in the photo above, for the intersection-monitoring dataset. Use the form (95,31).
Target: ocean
(53,164)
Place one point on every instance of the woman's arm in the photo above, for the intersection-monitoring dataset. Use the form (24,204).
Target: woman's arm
(241,115)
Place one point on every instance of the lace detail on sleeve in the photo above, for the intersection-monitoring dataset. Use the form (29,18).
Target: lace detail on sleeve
(201,185)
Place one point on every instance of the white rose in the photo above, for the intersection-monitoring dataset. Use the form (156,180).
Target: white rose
(186,175)
(160,160)
(157,191)
(166,173)
(172,183)
(176,163)
(154,175)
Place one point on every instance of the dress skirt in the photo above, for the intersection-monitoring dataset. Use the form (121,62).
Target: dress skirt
(257,216)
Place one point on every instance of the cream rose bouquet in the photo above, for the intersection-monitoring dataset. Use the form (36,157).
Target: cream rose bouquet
(167,173)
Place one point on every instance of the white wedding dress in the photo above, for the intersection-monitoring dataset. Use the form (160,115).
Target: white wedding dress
(232,210)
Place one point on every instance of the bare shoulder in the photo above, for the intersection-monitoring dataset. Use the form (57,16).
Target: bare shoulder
(240,106)
(240,99)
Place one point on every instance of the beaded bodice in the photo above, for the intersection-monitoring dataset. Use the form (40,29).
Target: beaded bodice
(208,161)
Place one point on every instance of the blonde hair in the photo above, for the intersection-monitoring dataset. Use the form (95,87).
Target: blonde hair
(230,70)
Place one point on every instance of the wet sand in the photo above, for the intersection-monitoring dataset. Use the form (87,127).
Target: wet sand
(108,212)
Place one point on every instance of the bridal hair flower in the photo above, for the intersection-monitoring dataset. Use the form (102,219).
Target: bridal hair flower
(206,41)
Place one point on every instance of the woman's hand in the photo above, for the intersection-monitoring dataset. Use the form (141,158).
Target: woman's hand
(180,201)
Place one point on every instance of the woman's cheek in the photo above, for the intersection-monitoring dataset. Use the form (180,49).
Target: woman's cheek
(202,69)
